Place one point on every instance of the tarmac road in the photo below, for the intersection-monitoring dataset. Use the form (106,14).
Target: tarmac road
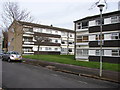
(19,75)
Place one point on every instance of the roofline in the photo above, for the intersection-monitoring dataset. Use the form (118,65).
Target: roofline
(44,26)
(89,17)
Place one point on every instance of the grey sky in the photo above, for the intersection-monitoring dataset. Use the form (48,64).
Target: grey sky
(62,13)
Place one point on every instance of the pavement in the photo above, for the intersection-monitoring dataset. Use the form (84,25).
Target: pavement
(18,75)
(77,70)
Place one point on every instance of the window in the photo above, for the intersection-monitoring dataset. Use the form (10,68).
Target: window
(82,38)
(27,49)
(98,52)
(70,50)
(115,52)
(84,24)
(40,30)
(64,49)
(48,48)
(119,18)
(114,19)
(26,39)
(98,37)
(40,48)
(28,29)
(56,49)
(70,43)
(78,25)
(98,22)
(56,41)
(115,36)
(64,34)
(82,52)
(48,30)
(70,35)
(56,31)
(64,42)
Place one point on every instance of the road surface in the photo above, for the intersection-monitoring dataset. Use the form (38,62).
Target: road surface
(19,75)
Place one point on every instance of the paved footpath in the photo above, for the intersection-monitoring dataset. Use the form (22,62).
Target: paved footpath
(107,75)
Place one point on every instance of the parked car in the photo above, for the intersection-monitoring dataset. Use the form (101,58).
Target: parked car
(12,56)
(1,54)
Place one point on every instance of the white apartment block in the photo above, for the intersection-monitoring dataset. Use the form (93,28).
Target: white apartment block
(23,37)
(88,38)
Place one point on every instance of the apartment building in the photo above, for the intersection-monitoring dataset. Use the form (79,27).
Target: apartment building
(31,38)
(87,38)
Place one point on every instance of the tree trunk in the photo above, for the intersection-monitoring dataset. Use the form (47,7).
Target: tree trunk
(38,49)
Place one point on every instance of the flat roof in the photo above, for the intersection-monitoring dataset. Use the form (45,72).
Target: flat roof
(96,16)
(44,26)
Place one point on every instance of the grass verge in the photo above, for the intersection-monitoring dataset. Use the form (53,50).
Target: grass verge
(69,59)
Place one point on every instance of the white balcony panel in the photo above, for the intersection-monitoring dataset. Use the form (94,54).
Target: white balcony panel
(28,42)
(107,37)
(28,52)
(27,35)
(92,37)
(107,52)
(81,57)
(29,32)
(107,21)
(92,23)
(86,29)
(27,45)
(85,43)
(92,52)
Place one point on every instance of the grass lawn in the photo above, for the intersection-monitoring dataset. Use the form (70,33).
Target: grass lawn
(69,59)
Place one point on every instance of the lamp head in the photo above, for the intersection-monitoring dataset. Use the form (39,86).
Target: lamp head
(101,6)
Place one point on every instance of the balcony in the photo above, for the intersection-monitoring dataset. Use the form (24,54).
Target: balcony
(109,27)
(82,30)
(107,43)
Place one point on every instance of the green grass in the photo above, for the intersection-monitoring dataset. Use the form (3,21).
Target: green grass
(69,59)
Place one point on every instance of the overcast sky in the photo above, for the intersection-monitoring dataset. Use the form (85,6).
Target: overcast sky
(61,13)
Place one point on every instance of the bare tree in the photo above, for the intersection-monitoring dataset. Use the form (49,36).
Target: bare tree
(41,40)
(5,39)
(12,11)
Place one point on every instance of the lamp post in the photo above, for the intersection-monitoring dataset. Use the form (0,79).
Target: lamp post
(101,43)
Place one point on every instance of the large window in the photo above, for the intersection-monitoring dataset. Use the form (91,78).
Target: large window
(64,33)
(78,25)
(84,24)
(82,39)
(115,52)
(28,29)
(26,39)
(98,21)
(70,49)
(64,49)
(82,52)
(98,52)
(27,49)
(48,48)
(114,19)
(115,36)
(98,37)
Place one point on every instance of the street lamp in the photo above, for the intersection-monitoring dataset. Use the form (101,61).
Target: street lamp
(101,9)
